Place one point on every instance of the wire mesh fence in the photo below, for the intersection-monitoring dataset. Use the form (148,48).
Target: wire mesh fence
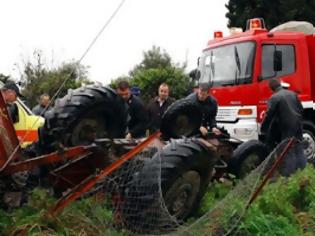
(225,216)
(137,194)
(158,191)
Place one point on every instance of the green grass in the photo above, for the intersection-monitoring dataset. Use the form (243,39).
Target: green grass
(84,217)
(286,207)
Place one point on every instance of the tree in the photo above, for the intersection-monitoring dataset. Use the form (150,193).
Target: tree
(156,68)
(153,59)
(150,79)
(4,78)
(37,78)
(274,12)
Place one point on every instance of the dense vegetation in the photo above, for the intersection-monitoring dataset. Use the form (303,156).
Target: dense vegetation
(155,68)
(84,217)
(37,78)
(274,12)
(286,207)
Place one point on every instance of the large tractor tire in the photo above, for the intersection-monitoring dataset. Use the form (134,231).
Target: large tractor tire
(84,114)
(247,156)
(182,172)
(182,119)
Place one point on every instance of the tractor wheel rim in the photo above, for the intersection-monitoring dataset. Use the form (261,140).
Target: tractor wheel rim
(309,152)
(181,196)
(183,126)
(86,131)
(180,201)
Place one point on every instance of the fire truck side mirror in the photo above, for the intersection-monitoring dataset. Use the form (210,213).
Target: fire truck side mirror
(277,61)
(194,74)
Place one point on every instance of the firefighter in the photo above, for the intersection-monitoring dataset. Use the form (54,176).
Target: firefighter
(138,121)
(209,107)
(283,120)
(158,106)
(10,92)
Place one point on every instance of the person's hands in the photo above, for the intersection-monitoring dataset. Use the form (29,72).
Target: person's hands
(216,131)
(203,130)
(128,136)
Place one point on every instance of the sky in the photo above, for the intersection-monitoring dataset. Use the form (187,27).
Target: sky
(63,30)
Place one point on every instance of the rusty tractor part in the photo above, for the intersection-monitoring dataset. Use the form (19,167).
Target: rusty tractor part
(91,180)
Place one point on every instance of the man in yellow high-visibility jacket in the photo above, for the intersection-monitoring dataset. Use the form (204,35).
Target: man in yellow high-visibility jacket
(25,123)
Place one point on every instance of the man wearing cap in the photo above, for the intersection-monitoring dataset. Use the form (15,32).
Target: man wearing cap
(209,108)
(10,92)
(283,120)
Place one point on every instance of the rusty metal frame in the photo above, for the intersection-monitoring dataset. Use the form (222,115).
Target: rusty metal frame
(55,157)
(90,181)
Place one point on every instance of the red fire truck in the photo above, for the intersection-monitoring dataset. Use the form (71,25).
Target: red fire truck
(239,66)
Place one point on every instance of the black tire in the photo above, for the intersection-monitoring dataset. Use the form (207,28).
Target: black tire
(185,169)
(181,119)
(247,156)
(84,114)
(309,137)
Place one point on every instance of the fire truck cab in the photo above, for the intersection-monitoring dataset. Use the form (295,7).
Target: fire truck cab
(239,66)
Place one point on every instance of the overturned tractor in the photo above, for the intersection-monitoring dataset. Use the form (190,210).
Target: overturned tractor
(80,151)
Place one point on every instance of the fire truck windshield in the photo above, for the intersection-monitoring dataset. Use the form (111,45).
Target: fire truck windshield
(228,65)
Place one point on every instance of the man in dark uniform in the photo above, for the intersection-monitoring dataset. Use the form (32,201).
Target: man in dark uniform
(209,108)
(10,92)
(284,120)
(158,106)
(42,107)
(138,122)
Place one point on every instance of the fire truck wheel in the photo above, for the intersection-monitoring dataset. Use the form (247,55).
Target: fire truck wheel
(247,156)
(85,114)
(309,137)
(182,119)
(182,171)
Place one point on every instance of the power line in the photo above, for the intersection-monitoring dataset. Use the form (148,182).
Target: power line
(88,49)
(102,30)
(68,77)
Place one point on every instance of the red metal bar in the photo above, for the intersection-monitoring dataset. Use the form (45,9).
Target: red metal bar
(46,160)
(89,182)
(275,165)
(8,139)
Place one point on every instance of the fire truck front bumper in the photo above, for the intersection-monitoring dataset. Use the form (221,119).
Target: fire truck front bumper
(243,129)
